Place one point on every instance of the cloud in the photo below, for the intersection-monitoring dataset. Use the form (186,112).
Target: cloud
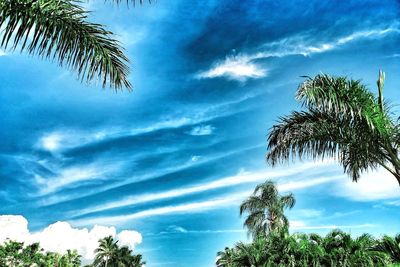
(55,199)
(300,225)
(2,53)
(202,130)
(60,236)
(174,229)
(241,178)
(236,68)
(192,207)
(393,203)
(242,67)
(374,185)
(73,175)
(51,142)
(308,213)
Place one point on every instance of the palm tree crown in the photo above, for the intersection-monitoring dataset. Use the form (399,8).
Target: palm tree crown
(58,30)
(342,120)
(265,209)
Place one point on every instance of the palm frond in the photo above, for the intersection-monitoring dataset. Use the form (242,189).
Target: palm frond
(288,200)
(343,96)
(58,30)
(316,134)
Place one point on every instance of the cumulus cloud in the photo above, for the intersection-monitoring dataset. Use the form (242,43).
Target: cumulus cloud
(60,236)
(202,130)
(374,185)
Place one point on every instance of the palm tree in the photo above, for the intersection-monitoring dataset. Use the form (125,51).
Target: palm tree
(265,209)
(107,254)
(390,246)
(227,258)
(342,120)
(137,261)
(59,30)
(72,258)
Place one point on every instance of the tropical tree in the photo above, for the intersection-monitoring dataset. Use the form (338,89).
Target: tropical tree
(107,254)
(342,120)
(137,261)
(227,258)
(265,209)
(390,246)
(59,30)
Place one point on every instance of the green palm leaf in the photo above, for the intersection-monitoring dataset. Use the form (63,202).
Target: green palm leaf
(58,30)
(343,121)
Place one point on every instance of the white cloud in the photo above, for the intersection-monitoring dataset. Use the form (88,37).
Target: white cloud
(308,213)
(60,236)
(2,53)
(393,203)
(374,185)
(73,175)
(192,207)
(300,225)
(174,229)
(51,142)
(202,130)
(195,158)
(241,178)
(235,67)
(242,67)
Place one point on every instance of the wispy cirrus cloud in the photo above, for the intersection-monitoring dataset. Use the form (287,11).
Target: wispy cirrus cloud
(242,66)
(175,229)
(74,176)
(192,207)
(300,225)
(241,178)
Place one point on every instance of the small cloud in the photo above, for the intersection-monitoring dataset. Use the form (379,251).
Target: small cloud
(394,203)
(195,158)
(393,56)
(61,236)
(2,53)
(238,68)
(51,142)
(175,229)
(202,130)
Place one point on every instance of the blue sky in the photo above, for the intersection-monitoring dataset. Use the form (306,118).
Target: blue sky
(174,158)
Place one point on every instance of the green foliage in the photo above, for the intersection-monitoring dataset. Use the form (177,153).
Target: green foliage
(15,254)
(274,246)
(341,120)
(59,30)
(337,249)
(265,209)
(109,254)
